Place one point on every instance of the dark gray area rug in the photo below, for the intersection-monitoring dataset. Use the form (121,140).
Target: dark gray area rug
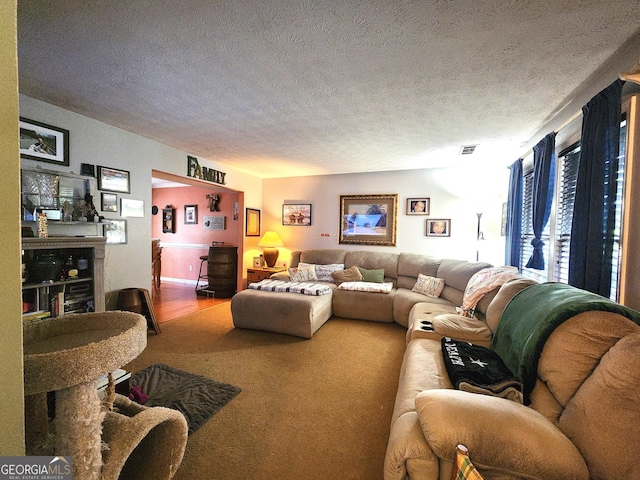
(197,397)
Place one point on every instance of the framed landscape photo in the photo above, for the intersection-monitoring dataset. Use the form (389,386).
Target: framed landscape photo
(191,214)
(44,143)
(368,219)
(252,222)
(116,231)
(439,227)
(296,214)
(418,206)
(113,180)
(109,202)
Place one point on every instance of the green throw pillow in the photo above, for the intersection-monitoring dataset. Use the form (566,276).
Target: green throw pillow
(374,276)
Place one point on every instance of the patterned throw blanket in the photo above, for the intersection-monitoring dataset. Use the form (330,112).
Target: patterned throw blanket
(306,288)
(372,287)
(477,369)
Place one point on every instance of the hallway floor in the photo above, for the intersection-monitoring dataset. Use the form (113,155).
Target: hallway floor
(173,300)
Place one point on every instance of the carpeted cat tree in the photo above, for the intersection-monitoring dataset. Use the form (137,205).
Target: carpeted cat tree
(106,440)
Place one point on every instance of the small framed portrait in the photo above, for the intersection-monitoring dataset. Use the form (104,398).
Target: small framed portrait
(191,214)
(257,262)
(418,206)
(109,202)
(439,227)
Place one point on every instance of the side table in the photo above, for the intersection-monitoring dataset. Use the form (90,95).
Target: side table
(255,275)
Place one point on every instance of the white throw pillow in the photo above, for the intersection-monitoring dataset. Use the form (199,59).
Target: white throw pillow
(303,274)
(429,286)
(323,272)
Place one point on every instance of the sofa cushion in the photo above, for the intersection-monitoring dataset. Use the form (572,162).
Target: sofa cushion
(319,256)
(374,260)
(459,327)
(351,274)
(373,276)
(410,265)
(429,286)
(303,274)
(324,271)
(405,300)
(377,307)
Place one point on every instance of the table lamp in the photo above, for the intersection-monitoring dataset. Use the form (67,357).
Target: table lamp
(270,240)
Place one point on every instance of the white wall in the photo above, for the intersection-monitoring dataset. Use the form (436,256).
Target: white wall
(456,194)
(93,142)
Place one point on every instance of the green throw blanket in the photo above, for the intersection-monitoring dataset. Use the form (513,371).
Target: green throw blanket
(533,314)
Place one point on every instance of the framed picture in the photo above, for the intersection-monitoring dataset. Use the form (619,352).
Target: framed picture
(113,180)
(108,202)
(252,225)
(296,214)
(131,208)
(439,227)
(257,262)
(191,214)
(88,169)
(44,143)
(418,206)
(368,219)
(116,231)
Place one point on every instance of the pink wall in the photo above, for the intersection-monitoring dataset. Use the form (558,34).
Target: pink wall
(184,248)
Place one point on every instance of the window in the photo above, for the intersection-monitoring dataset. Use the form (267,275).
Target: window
(527,231)
(568,161)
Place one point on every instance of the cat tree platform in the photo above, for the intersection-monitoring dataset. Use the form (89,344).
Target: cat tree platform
(66,355)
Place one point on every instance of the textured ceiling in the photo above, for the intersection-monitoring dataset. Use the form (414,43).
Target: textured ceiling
(285,88)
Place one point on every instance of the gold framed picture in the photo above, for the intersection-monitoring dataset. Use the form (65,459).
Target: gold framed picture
(368,219)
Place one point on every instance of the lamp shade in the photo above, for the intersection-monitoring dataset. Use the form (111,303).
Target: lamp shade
(269,241)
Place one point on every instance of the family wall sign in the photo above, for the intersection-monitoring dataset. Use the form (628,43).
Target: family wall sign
(203,173)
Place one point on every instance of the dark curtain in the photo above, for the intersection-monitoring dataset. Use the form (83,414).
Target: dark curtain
(514,215)
(543,177)
(592,230)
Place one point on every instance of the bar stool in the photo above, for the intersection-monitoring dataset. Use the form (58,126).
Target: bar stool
(203,258)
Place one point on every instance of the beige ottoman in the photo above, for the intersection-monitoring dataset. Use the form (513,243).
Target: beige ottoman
(290,313)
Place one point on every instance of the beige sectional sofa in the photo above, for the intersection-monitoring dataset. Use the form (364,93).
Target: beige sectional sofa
(582,394)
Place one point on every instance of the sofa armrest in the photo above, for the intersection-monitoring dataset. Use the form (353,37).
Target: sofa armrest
(501,435)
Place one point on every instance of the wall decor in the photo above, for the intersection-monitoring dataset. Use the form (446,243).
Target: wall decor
(439,227)
(44,143)
(368,219)
(113,180)
(108,202)
(296,214)
(214,223)
(131,208)
(418,206)
(116,231)
(252,222)
(88,169)
(203,173)
(191,214)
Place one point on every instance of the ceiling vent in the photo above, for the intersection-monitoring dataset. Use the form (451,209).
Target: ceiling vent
(467,149)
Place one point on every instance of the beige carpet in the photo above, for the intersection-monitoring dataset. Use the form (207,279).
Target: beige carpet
(309,409)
